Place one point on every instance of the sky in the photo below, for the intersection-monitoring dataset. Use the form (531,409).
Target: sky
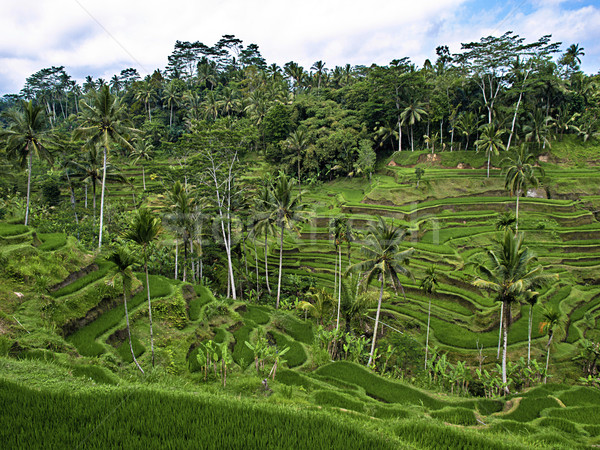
(100,39)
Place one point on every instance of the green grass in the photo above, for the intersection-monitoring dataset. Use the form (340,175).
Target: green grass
(143,418)
(296,355)
(52,241)
(456,416)
(103,268)
(377,387)
(530,408)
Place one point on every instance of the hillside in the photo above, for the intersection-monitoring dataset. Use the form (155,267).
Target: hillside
(64,344)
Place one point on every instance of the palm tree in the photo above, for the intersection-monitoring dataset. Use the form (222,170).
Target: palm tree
(384,259)
(172,97)
(264,222)
(286,210)
(491,140)
(519,173)
(298,142)
(513,271)
(144,229)
(143,150)
(337,227)
(102,122)
(123,261)
(89,169)
(467,125)
(319,68)
(538,127)
(26,135)
(551,321)
(411,115)
(145,92)
(429,285)
(506,221)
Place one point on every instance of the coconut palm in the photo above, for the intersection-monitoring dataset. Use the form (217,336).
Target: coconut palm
(102,123)
(384,259)
(144,229)
(491,141)
(25,136)
(467,125)
(505,221)
(264,222)
(550,324)
(143,150)
(297,142)
(519,174)
(512,271)
(337,227)
(89,170)
(411,115)
(123,261)
(429,284)
(286,209)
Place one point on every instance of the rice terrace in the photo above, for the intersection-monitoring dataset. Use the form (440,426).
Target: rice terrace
(228,253)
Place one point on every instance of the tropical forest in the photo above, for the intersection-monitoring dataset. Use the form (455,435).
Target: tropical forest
(229,253)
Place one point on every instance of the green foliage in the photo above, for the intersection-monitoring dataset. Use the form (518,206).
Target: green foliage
(296,356)
(103,268)
(171,310)
(257,314)
(580,396)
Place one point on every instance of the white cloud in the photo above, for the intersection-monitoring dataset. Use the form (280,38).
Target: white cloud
(86,34)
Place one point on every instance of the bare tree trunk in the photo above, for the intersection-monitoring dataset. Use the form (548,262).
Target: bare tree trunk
(280,267)
(500,330)
(267,266)
(529,335)
(29,164)
(129,330)
(149,307)
(376,322)
(102,196)
(427,338)
(337,326)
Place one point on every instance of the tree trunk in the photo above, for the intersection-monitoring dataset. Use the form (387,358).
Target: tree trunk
(427,338)
(267,266)
(337,326)
(548,356)
(102,194)
(488,162)
(144,177)
(529,335)
(500,329)
(176,257)
(149,307)
(129,329)
(506,319)
(29,164)
(517,212)
(376,321)
(280,267)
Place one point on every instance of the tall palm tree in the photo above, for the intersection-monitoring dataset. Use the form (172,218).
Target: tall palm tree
(144,229)
(429,284)
(298,142)
(491,140)
(551,322)
(123,261)
(467,125)
(142,150)
(384,259)
(411,115)
(171,96)
(512,271)
(319,68)
(102,123)
(520,173)
(337,227)
(26,135)
(89,169)
(264,222)
(287,212)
